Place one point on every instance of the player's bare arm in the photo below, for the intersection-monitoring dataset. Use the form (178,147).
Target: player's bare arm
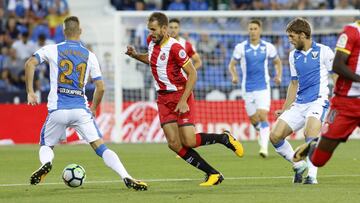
(196,61)
(190,70)
(232,69)
(278,69)
(143,57)
(340,67)
(290,96)
(30,66)
(98,95)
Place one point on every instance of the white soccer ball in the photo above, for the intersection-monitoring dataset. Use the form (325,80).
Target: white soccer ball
(74,175)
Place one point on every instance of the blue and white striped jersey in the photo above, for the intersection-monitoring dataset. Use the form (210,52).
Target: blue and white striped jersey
(254,64)
(70,66)
(311,69)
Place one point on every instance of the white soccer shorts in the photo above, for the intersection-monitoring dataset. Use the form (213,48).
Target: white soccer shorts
(297,115)
(54,128)
(257,100)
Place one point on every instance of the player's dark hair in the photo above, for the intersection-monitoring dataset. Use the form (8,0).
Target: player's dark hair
(71,26)
(174,20)
(256,21)
(160,17)
(298,26)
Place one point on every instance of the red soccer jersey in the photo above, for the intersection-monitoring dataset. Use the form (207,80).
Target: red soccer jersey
(190,50)
(349,43)
(166,61)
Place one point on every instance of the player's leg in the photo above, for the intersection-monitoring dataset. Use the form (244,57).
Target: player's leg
(290,121)
(87,128)
(311,131)
(263,107)
(112,160)
(186,134)
(250,107)
(52,132)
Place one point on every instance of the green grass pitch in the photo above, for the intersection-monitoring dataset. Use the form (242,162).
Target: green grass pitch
(170,179)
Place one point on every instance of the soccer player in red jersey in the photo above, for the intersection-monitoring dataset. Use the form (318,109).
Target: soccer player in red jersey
(344,115)
(174,30)
(175,100)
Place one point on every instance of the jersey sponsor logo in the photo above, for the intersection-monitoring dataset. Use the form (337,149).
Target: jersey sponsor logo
(341,43)
(163,57)
(182,54)
(314,54)
(70,91)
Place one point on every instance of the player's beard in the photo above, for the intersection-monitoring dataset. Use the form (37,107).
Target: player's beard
(300,46)
(161,37)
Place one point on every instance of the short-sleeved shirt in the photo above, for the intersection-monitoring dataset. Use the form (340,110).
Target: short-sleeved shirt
(311,69)
(254,64)
(349,43)
(189,48)
(166,61)
(70,66)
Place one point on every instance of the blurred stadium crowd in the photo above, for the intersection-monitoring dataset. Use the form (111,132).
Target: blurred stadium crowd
(234,4)
(27,25)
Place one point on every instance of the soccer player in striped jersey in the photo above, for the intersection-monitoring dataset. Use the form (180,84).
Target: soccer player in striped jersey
(175,101)
(71,64)
(344,115)
(307,97)
(254,55)
(174,30)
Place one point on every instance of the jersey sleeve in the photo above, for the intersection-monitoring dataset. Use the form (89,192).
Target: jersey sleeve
(328,58)
(346,40)
(293,73)
(189,48)
(237,52)
(179,54)
(42,54)
(94,66)
(272,53)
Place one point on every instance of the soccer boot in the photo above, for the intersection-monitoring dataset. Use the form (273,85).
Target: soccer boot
(263,152)
(303,150)
(235,145)
(212,179)
(310,180)
(299,169)
(135,184)
(39,175)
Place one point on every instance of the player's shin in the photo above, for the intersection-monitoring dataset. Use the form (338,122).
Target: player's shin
(112,160)
(264,135)
(312,170)
(46,154)
(193,158)
(284,148)
(210,138)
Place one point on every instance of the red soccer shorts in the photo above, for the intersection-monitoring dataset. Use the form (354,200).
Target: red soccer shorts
(167,102)
(343,118)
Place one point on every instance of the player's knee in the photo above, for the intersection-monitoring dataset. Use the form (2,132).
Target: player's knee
(174,145)
(100,150)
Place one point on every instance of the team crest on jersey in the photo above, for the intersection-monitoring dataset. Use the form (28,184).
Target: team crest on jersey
(182,54)
(314,54)
(262,49)
(163,57)
(341,43)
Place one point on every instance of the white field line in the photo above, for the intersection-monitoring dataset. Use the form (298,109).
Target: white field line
(182,179)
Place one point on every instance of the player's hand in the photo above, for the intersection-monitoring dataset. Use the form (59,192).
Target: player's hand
(131,51)
(182,107)
(278,113)
(32,99)
(235,80)
(277,80)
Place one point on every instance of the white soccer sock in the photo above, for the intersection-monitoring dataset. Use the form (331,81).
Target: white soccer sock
(112,160)
(312,169)
(264,137)
(285,150)
(46,154)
